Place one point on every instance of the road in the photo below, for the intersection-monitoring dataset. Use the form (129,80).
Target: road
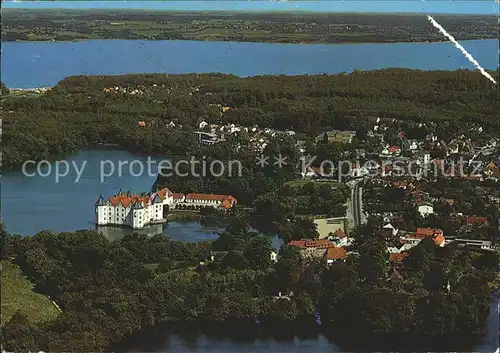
(355,205)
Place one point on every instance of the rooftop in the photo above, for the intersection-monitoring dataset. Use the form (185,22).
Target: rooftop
(335,253)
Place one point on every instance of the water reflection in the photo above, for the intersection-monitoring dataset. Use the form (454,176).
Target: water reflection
(181,231)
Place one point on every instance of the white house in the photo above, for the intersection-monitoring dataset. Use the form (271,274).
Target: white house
(274,256)
(410,145)
(424,158)
(425,208)
(203,124)
(360,172)
(394,230)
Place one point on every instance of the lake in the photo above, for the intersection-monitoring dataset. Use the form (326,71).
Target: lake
(37,64)
(32,202)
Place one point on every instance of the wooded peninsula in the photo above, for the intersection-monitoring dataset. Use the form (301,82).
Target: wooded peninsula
(277,27)
(87,111)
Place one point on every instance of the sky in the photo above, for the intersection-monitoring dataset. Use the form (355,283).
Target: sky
(388,6)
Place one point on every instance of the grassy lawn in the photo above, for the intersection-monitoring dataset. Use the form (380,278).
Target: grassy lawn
(17,294)
(299,182)
(181,215)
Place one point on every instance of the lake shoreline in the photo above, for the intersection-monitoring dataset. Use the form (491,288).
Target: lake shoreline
(427,41)
(288,333)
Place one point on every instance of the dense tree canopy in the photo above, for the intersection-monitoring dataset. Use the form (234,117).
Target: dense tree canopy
(84,111)
(108,291)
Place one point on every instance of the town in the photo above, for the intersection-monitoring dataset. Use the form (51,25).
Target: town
(366,211)
(409,173)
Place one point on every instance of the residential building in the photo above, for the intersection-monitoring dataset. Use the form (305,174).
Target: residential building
(394,231)
(425,208)
(397,259)
(476,221)
(328,226)
(394,277)
(226,201)
(208,138)
(340,238)
(409,145)
(340,136)
(482,244)
(334,254)
(312,248)
(411,239)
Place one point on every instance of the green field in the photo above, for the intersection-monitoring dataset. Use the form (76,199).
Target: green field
(17,294)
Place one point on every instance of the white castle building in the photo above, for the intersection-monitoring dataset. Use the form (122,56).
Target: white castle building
(138,211)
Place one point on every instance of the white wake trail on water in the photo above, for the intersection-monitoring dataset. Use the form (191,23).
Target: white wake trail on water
(461,48)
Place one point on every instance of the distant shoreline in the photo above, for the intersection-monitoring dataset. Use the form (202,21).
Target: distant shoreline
(63,25)
(406,7)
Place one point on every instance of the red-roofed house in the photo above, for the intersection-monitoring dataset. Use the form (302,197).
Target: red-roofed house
(209,199)
(396,259)
(412,239)
(476,221)
(340,238)
(333,254)
(178,197)
(394,149)
(312,248)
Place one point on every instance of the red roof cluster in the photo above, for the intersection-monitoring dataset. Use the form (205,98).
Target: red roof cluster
(398,257)
(476,220)
(335,253)
(340,233)
(125,199)
(211,197)
(434,233)
(309,243)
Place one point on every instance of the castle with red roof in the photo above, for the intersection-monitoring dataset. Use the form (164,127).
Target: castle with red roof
(138,211)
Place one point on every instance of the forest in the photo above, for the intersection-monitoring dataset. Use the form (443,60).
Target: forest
(109,291)
(85,111)
(279,27)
